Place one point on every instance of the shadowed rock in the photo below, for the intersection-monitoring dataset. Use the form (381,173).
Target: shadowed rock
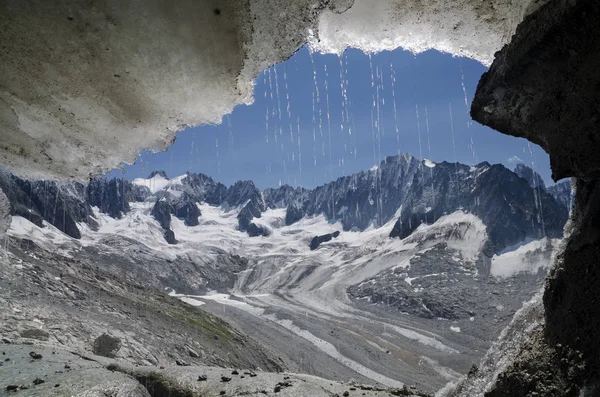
(318,240)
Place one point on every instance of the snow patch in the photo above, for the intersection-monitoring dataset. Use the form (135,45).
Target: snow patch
(158,183)
(528,258)
(428,163)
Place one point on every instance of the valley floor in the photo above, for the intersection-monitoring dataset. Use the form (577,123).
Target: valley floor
(292,303)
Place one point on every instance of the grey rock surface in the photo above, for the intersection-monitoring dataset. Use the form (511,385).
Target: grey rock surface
(562,192)
(4,215)
(75,301)
(543,87)
(69,373)
(74,132)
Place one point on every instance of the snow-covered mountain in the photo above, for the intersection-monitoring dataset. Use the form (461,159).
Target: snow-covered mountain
(402,188)
(399,274)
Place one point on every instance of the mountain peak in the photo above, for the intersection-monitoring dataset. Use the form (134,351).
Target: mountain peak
(158,172)
(533,178)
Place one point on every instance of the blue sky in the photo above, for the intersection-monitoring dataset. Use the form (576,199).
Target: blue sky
(301,133)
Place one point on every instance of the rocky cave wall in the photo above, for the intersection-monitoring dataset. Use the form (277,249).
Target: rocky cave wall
(86,85)
(545,86)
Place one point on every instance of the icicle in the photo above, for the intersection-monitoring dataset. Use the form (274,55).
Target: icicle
(217,149)
(454,145)
(464,89)
(299,151)
(318,103)
(231,142)
(372,110)
(393,79)
(287,104)
(314,132)
(328,123)
(429,155)
(537,192)
(419,133)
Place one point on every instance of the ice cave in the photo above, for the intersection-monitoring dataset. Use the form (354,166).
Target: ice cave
(87,85)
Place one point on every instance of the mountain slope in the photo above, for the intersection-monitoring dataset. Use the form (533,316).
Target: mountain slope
(322,283)
(402,188)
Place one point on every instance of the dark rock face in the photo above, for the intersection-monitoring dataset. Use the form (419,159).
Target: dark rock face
(246,194)
(111,197)
(242,191)
(282,196)
(366,198)
(544,84)
(572,293)
(162,213)
(158,172)
(252,209)
(510,208)
(185,208)
(562,193)
(533,178)
(61,204)
(202,188)
(318,240)
(293,213)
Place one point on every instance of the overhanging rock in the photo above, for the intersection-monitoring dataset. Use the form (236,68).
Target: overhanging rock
(86,85)
(545,86)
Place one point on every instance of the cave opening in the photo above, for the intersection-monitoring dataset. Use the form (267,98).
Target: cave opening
(400,274)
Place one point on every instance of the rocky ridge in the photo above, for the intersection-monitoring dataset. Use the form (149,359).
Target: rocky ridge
(402,188)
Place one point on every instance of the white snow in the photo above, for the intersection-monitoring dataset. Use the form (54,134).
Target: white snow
(458,27)
(469,244)
(428,163)
(158,183)
(279,261)
(445,372)
(423,339)
(48,236)
(332,351)
(528,258)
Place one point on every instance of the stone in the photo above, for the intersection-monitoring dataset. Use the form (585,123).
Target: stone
(192,352)
(106,345)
